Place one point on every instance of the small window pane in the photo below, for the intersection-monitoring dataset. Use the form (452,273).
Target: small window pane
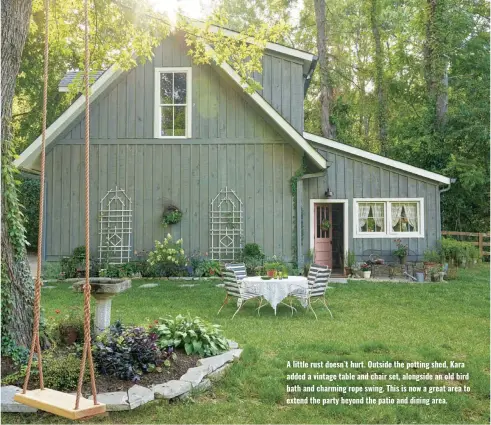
(404,217)
(179,121)
(166,129)
(180,87)
(371,217)
(166,88)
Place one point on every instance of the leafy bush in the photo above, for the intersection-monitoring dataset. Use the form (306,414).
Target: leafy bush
(70,265)
(202,266)
(60,371)
(63,325)
(168,257)
(29,191)
(432,256)
(18,354)
(52,270)
(194,335)
(252,250)
(457,252)
(129,352)
(254,266)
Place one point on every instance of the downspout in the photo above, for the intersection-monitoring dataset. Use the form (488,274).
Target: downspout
(300,256)
(446,189)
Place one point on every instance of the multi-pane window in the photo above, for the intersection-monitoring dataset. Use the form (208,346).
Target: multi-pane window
(371,217)
(388,218)
(173,100)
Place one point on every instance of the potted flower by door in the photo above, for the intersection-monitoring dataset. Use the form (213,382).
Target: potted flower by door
(366,269)
(350,263)
(401,251)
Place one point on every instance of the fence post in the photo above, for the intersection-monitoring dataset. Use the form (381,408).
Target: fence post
(481,245)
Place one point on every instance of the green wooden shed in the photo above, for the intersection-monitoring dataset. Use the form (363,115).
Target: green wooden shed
(170,133)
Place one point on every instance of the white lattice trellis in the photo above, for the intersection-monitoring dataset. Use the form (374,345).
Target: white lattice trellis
(115,219)
(226,223)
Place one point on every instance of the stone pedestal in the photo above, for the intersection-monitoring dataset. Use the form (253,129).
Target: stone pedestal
(103,289)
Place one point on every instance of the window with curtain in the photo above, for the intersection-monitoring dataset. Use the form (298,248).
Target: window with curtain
(404,217)
(371,217)
(172,101)
(385,218)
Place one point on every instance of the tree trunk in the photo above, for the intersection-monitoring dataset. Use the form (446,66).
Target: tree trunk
(326,94)
(379,80)
(436,63)
(17,285)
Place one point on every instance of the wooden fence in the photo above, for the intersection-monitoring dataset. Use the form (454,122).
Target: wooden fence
(477,239)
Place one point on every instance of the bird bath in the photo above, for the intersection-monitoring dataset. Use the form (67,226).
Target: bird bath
(103,289)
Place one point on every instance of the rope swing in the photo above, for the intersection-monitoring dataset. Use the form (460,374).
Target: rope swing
(56,402)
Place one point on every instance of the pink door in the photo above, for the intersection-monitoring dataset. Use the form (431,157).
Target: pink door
(323,234)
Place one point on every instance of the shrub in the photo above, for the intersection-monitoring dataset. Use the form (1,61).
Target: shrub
(202,266)
(254,266)
(18,354)
(66,327)
(129,352)
(196,336)
(457,252)
(52,270)
(168,257)
(432,256)
(70,265)
(252,250)
(60,371)
(29,191)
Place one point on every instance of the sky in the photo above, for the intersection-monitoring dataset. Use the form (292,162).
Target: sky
(196,9)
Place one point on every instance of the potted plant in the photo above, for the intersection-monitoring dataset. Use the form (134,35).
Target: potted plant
(366,270)
(272,268)
(171,215)
(349,264)
(325,224)
(401,251)
(70,326)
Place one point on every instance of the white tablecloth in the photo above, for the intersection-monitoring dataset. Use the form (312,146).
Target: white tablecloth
(276,290)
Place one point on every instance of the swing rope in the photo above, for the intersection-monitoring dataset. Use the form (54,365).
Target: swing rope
(35,344)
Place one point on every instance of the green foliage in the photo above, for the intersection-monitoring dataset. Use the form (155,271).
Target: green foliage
(457,252)
(168,256)
(172,215)
(253,258)
(252,250)
(70,265)
(60,371)
(128,352)
(432,256)
(52,270)
(196,336)
(202,266)
(63,324)
(19,355)
(350,259)
(29,192)
(402,249)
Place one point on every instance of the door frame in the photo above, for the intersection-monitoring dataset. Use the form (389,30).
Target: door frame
(345,220)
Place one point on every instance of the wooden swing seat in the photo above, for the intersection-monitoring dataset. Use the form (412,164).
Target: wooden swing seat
(61,404)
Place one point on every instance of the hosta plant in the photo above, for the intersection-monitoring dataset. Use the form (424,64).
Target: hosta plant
(195,335)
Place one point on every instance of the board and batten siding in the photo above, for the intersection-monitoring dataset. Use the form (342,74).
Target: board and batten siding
(219,110)
(352,177)
(188,174)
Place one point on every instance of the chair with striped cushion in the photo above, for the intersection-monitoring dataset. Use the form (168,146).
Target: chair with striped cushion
(318,279)
(232,276)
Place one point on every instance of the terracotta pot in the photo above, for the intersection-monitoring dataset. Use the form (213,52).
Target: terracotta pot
(270,273)
(347,271)
(69,335)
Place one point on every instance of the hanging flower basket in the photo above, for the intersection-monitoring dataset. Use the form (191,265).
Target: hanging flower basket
(325,225)
(171,215)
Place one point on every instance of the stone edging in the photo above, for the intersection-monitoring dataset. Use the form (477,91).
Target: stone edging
(196,378)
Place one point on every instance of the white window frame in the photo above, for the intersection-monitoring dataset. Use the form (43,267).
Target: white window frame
(389,233)
(157,105)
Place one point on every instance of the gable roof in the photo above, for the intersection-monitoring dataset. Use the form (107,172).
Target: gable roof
(29,159)
(378,158)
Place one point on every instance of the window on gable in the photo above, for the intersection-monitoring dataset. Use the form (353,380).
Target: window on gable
(173,103)
(383,218)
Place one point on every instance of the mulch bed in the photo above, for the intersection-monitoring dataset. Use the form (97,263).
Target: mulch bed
(107,383)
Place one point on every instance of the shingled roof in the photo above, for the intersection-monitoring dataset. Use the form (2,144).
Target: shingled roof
(70,76)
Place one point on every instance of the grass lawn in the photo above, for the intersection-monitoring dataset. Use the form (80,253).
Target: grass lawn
(372,321)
